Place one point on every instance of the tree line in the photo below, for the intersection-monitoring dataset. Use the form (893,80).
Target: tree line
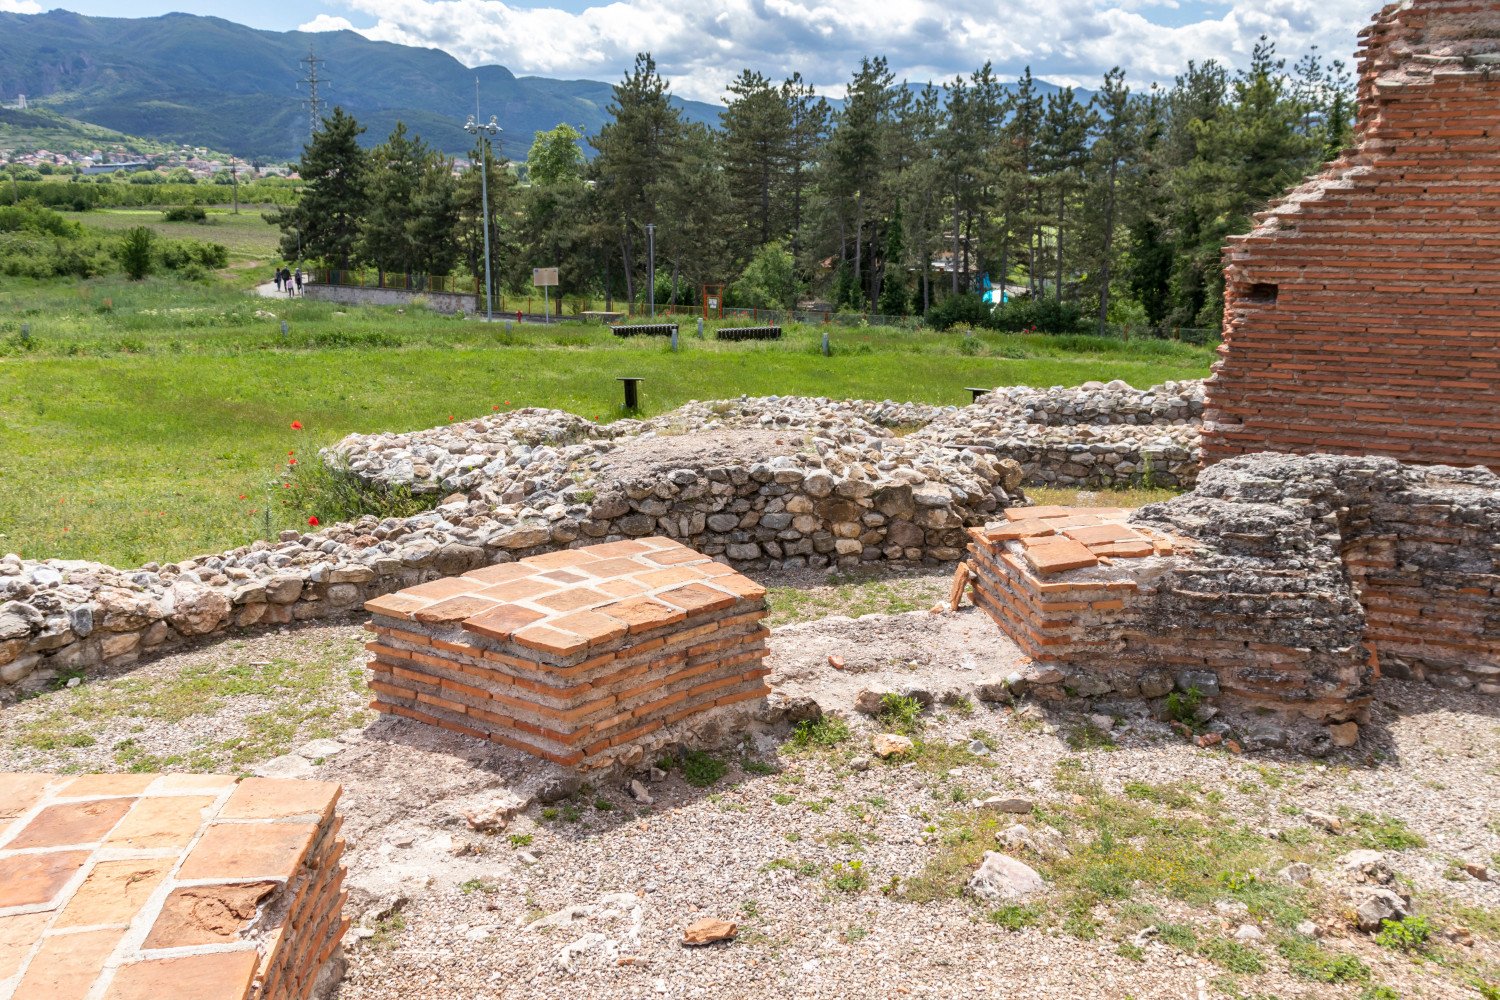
(896,200)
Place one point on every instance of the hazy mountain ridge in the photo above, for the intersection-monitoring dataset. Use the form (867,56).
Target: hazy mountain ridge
(205,81)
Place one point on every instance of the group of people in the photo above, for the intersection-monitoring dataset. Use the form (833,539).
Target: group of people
(289,281)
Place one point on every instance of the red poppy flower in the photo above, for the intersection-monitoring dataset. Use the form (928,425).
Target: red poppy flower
(292,452)
(495,407)
(291,461)
(450,416)
(313,521)
(507,402)
(286,486)
(242,496)
(296,425)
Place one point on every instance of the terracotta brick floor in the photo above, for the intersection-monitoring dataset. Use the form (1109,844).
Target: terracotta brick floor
(137,886)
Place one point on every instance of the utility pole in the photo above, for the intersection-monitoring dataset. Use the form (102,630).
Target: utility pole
(314,105)
(473,127)
(234,179)
(651,264)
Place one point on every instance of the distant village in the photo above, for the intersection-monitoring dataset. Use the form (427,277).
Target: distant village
(185,165)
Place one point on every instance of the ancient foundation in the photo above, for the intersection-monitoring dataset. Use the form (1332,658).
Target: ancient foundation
(1362,313)
(583,657)
(1281,583)
(159,887)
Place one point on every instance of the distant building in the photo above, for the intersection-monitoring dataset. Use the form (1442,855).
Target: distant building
(113,168)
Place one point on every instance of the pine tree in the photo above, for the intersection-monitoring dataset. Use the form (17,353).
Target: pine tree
(325,222)
(394,175)
(639,149)
(757,145)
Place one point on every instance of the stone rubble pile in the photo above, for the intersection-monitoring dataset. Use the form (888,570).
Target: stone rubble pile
(1096,435)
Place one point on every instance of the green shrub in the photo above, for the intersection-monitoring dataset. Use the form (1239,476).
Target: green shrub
(849,876)
(900,714)
(135,252)
(184,213)
(1039,316)
(1407,934)
(824,731)
(956,309)
(700,769)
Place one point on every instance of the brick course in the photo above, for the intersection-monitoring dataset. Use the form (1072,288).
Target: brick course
(177,886)
(574,656)
(1362,313)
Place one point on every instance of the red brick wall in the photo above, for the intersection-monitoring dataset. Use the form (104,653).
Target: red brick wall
(1384,333)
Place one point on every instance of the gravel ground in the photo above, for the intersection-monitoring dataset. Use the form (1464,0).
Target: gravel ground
(771,844)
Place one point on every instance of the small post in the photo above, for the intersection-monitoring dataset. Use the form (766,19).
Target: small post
(632,392)
(674,337)
(700,327)
(284,329)
(26,334)
(827,351)
(976,391)
(507,326)
(546,304)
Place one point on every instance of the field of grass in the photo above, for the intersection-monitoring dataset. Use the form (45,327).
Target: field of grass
(247,235)
(144,421)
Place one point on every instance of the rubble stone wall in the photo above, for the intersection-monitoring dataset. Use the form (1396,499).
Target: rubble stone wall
(1362,313)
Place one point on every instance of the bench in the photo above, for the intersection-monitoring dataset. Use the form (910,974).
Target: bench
(645,330)
(748,333)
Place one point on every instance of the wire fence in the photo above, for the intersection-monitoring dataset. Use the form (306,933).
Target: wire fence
(403,282)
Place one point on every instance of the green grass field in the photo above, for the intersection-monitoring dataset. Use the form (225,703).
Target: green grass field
(247,235)
(143,421)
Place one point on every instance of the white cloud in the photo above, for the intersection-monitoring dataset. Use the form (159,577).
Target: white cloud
(323,22)
(20,7)
(701,46)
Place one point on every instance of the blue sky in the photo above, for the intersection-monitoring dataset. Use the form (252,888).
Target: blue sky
(701,44)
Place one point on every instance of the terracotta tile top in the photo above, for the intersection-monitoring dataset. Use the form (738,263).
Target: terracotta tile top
(91,863)
(1098,533)
(563,603)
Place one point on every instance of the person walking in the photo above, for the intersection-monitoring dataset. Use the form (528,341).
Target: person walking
(299,280)
(278,279)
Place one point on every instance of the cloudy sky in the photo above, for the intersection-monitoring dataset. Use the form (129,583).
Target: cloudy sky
(701,44)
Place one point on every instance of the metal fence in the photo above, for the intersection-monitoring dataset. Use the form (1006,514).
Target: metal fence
(399,282)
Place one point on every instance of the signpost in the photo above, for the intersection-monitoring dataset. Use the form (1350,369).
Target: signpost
(545,278)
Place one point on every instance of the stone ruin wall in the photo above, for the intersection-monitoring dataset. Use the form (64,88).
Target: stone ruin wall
(821,483)
(1362,313)
(1285,584)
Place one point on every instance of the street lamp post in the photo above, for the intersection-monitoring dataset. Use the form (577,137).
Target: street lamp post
(473,127)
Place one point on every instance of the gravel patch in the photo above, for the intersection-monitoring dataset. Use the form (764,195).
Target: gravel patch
(772,844)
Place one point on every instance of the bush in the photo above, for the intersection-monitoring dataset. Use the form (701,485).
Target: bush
(184,213)
(135,252)
(959,309)
(1040,316)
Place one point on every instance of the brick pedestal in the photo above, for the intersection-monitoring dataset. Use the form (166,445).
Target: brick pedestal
(166,887)
(575,656)
(1103,604)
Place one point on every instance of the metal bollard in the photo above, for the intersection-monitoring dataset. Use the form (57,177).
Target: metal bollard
(507,326)
(284,329)
(674,337)
(632,390)
(827,351)
(700,327)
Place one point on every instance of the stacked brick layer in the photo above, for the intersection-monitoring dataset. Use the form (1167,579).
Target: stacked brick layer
(1284,582)
(157,887)
(1362,314)
(575,656)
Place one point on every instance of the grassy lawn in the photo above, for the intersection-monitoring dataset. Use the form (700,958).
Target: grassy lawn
(144,421)
(247,235)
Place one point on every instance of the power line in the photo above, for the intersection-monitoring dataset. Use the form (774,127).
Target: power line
(311,102)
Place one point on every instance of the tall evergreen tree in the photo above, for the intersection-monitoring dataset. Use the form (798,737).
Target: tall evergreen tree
(757,146)
(639,152)
(396,168)
(325,221)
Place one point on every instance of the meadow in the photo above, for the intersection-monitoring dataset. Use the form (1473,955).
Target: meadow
(150,421)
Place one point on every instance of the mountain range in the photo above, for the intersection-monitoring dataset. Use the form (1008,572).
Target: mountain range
(183,78)
(205,81)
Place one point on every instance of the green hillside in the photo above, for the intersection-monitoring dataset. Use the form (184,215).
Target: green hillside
(181,78)
(35,128)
